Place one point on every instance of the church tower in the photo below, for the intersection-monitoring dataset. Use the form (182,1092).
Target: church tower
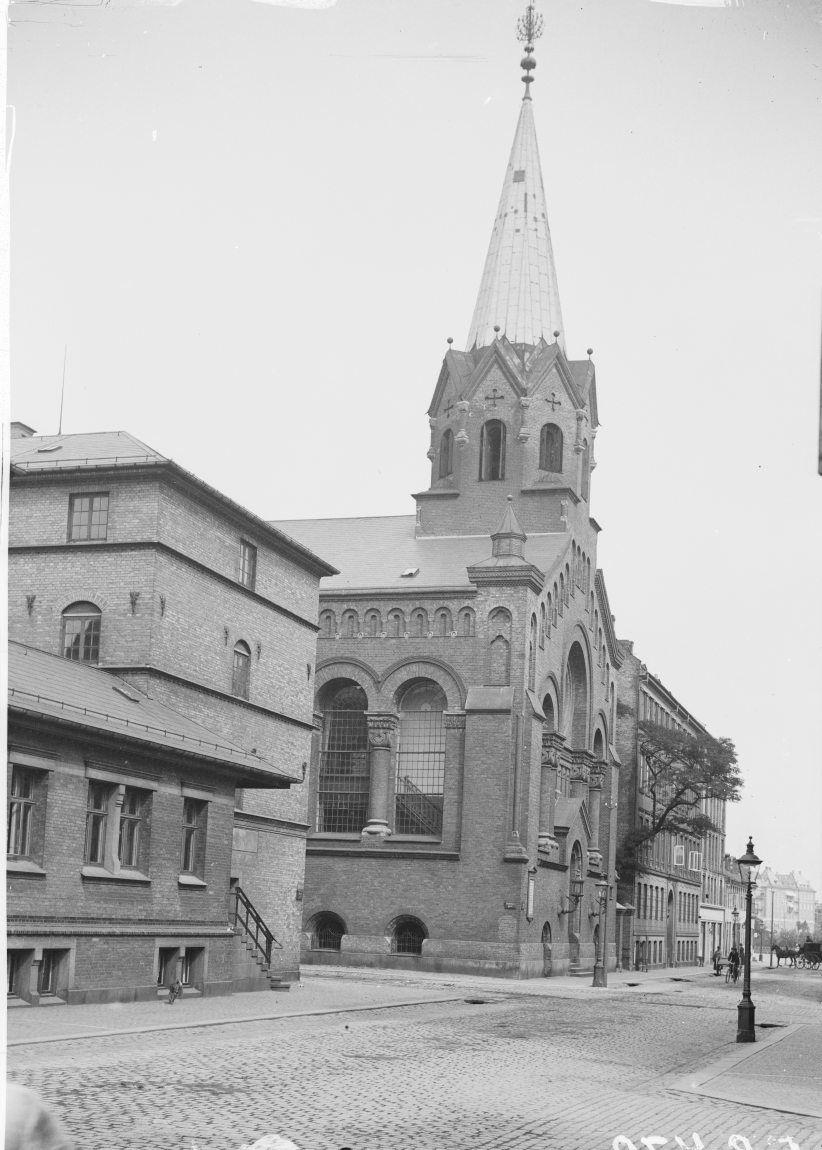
(512,415)
(463,778)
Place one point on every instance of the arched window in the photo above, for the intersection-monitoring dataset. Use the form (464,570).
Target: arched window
(532,653)
(350,624)
(446,454)
(542,624)
(407,936)
(80,632)
(599,746)
(587,574)
(499,650)
(569,585)
(241,670)
(344,776)
(466,621)
(591,611)
(586,469)
(550,724)
(575,698)
(327,932)
(328,625)
(420,760)
(561,603)
(555,594)
(396,623)
(373,623)
(550,448)
(419,623)
(549,615)
(442,623)
(492,450)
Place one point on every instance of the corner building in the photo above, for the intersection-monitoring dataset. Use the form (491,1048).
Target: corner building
(463,781)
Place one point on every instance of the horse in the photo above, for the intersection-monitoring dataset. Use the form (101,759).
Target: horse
(782,952)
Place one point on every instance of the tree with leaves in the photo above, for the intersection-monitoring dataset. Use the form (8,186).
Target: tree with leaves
(683,769)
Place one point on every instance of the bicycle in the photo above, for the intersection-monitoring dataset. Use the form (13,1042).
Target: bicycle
(732,972)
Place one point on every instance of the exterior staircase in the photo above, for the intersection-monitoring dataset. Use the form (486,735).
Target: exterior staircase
(256,937)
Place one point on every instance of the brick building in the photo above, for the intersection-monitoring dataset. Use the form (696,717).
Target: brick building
(120,825)
(677,892)
(463,778)
(121,559)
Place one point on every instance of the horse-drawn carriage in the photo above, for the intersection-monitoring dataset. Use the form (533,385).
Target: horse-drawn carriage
(808,955)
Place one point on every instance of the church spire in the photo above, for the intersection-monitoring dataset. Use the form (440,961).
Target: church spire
(518,291)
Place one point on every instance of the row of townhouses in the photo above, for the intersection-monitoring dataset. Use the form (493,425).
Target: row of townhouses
(236,745)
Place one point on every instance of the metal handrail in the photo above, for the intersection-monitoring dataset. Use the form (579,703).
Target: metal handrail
(433,826)
(247,916)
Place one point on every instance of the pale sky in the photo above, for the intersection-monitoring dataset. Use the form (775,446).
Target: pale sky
(255,224)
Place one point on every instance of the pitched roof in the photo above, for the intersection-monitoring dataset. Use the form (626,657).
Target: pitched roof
(518,291)
(373,552)
(88,449)
(46,686)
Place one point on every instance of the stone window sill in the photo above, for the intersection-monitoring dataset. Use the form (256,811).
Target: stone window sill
(190,880)
(23,866)
(100,872)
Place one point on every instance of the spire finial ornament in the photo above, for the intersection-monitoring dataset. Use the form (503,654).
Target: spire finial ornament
(529,29)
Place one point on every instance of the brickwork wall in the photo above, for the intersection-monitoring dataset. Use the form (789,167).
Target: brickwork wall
(113,924)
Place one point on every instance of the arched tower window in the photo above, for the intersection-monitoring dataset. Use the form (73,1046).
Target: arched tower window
(446,467)
(492,450)
(442,623)
(373,623)
(550,448)
(420,760)
(599,746)
(80,632)
(575,698)
(344,776)
(241,670)
(586,469)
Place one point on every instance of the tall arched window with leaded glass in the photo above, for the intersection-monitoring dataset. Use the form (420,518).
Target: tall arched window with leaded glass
(420,781)
(344,776)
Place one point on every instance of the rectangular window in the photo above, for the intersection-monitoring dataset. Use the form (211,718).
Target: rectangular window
(679,856)
(694,860)
(81,637)
(192,855)
(248,564)
(88,517)
(21,813)
(99,795)
(131,821)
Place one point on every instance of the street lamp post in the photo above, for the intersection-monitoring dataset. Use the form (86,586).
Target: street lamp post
(735,917)
(749,866)
(601,959)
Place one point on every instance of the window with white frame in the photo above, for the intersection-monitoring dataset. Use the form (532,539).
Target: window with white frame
(679,855)
(694,860)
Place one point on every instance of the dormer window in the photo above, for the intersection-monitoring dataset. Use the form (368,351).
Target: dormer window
(248,564)
(88,517)
(550,448)
(492,450)
(446,454)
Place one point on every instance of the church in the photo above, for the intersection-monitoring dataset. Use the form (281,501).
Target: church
(463,776)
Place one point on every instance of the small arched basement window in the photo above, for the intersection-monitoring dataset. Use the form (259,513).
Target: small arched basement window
(407,936)
(328,932)
(492,450)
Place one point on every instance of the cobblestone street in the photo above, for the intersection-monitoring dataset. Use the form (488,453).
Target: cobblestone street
(534,1065)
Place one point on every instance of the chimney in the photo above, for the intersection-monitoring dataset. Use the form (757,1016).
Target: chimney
(21,430)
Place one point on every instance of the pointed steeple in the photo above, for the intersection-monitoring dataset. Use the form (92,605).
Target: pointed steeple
(508,540)
(518,292)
